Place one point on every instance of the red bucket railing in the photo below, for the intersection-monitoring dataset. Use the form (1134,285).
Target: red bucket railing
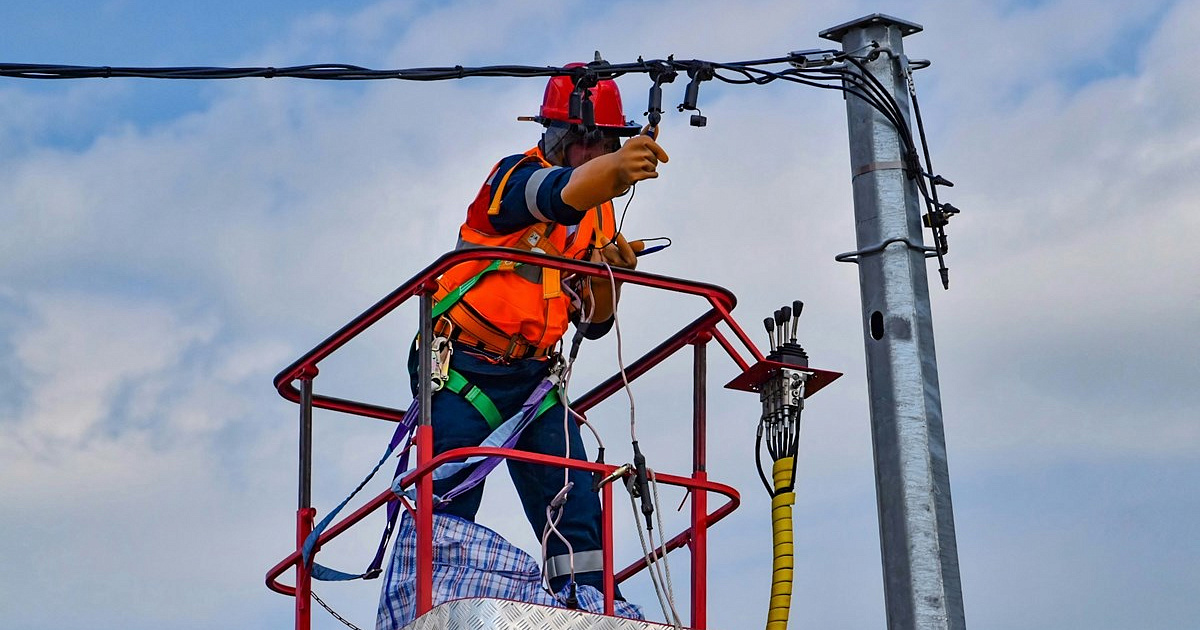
(697,334)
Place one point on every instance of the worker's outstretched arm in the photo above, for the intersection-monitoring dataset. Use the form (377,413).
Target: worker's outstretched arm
(607,176)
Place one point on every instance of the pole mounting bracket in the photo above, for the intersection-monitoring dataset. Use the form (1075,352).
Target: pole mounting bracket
(852,257)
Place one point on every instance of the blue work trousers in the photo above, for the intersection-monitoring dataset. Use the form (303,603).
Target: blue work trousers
(457,424)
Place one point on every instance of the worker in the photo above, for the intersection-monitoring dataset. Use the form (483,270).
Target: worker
(505,330)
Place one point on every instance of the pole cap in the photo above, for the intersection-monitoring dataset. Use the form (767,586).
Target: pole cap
(836,33)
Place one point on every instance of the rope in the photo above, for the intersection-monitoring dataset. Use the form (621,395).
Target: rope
(666,566)
(659,576)
(648,557)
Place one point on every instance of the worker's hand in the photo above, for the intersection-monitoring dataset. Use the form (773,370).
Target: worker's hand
(608,176)
(620,253)
(639,158)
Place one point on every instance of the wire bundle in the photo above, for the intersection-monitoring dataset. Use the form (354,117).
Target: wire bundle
(825,69)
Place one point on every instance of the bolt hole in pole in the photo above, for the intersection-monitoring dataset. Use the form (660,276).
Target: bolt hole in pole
(877,325)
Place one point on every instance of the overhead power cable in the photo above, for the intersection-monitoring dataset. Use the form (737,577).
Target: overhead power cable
(825,69)
(346,72)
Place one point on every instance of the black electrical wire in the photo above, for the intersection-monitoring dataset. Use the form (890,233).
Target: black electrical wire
(896,118)
(758,459)
(938,219)
(352,72)
(747,69)
(935,216)
(846,72)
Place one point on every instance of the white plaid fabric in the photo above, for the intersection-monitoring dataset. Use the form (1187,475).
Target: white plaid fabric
(469,560)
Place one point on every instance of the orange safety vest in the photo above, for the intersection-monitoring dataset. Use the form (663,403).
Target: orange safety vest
(520,310)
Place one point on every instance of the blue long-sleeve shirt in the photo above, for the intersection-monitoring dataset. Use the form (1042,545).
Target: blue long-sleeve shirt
(532,194)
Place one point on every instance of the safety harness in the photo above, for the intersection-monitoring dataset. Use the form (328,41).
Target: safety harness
(505,434)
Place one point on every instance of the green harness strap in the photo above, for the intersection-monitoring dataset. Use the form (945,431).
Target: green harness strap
(459,384)
(454,296)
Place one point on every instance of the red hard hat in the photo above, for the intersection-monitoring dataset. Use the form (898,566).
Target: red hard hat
(606,104)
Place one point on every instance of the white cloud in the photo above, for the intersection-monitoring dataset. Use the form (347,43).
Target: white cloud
(115,467)
(1073,279)
(81,353)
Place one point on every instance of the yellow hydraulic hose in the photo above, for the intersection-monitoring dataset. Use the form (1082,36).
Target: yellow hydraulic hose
(781,534)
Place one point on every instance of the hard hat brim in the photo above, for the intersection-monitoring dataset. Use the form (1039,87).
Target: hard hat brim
(627,130)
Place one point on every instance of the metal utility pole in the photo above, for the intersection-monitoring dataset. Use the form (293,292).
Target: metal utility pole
(916,520)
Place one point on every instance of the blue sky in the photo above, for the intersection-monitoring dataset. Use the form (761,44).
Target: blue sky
(168,247)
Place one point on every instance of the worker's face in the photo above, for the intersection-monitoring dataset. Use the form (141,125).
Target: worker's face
(582,151)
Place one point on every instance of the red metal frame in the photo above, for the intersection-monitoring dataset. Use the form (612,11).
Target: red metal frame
(698,333)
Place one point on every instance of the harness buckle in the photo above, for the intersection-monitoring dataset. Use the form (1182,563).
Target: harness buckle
(621,472)
(557,366)
(442,349)
(512,347)
(519,348)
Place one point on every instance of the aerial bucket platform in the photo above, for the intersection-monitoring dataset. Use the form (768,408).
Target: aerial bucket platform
(296,383)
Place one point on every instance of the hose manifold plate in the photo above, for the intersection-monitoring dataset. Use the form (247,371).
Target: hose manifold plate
(754,379)
(782,396)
